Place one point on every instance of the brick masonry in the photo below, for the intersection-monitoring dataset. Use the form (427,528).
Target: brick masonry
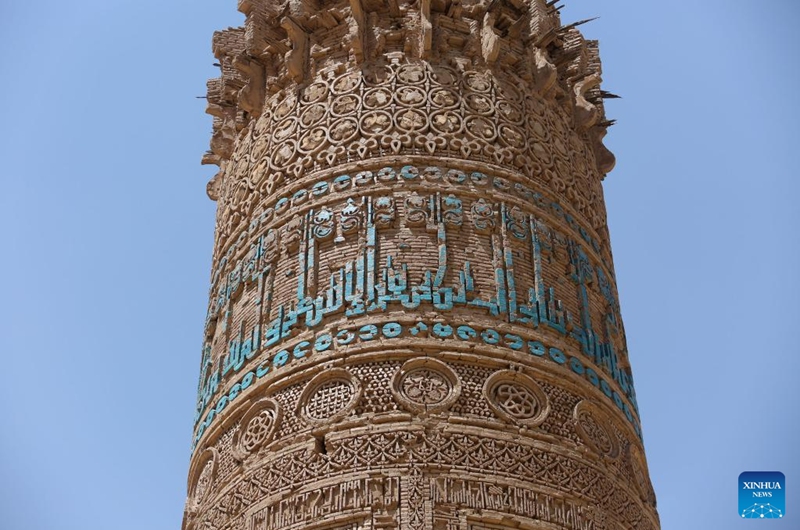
(413,319)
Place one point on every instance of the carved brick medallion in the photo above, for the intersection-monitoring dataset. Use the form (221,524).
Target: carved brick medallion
(329,396)
(426,385)
(201,478)
(516,397)
(203,482)
(257,427)
(594,429)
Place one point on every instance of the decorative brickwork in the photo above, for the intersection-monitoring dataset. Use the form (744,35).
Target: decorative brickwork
(413,318)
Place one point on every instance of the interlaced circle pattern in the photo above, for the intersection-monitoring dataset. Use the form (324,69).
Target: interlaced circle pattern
(257,430)
(516,400)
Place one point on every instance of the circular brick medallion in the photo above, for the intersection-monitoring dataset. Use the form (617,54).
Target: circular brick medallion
(594,428)
(516,397)
(329,396)
(257,427)
(202,475)
(425,385)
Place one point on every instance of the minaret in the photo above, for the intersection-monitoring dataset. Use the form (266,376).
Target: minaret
(413,318)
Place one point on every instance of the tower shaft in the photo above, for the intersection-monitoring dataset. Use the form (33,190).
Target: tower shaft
(413,318)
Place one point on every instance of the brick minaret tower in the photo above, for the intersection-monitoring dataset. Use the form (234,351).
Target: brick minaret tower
(413,318)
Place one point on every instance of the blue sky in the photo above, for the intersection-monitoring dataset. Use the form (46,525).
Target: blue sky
(106,243)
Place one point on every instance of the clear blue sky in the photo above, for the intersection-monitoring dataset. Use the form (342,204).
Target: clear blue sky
(106,242)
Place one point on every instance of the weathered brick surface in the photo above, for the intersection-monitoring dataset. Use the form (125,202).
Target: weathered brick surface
(413,319)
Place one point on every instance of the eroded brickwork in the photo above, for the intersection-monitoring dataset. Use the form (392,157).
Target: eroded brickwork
(413,319)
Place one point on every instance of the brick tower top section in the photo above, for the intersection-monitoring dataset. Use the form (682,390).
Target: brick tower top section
(288,44)
(308,86)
